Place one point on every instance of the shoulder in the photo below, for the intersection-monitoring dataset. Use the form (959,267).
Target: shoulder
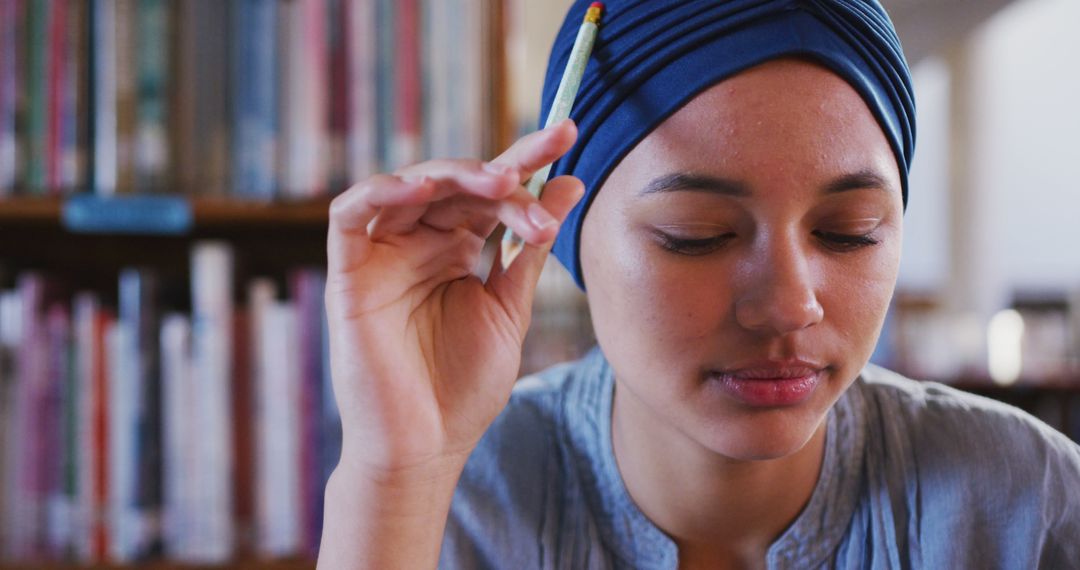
(963,426)
(513,478)
(983,473)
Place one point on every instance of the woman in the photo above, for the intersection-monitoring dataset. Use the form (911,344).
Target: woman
(745,170)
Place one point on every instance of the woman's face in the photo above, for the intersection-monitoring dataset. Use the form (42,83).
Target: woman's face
(740,260)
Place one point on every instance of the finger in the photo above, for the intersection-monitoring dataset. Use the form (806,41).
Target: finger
(451,178)
(520,211)
(354,209)
(536,150)
(515,286)
(464,176)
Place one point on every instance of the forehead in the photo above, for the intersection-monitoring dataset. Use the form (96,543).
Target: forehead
(782,118)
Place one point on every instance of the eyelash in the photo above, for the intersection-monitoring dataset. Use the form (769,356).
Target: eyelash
(693,247)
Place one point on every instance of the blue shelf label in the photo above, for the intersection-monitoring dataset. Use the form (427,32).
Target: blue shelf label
(163,215)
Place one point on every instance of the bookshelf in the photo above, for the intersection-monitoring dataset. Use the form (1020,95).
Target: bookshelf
(180,101)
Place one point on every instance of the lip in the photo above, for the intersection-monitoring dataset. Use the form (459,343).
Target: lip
(770,383)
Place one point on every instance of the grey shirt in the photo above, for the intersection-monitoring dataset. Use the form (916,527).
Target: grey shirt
(915,475)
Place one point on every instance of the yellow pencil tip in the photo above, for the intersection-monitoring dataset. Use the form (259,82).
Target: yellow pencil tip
(510,251)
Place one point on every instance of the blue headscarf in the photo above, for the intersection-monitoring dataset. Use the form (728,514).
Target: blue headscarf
(653,56)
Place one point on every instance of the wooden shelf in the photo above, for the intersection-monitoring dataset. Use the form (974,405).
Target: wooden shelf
(207,212)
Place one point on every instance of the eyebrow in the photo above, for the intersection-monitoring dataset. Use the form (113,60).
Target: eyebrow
(691,182)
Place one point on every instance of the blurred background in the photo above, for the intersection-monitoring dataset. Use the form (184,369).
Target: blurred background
(165,173)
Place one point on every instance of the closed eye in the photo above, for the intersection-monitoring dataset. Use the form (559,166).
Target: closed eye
(845,242)
(692,246)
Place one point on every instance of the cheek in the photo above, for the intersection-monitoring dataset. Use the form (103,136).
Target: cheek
(857,295)
(643,296)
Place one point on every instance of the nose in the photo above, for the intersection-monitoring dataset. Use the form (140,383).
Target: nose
(779,297)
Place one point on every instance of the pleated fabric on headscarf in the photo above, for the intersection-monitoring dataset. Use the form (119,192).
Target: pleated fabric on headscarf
(653,56)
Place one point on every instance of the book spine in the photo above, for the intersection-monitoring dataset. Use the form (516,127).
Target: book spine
(31,476)
(11,418)
(212,286)
(127,95)
(60,446)
(179,404)
(123,518)
(406,139)
(278,443)
(303,171)
(152,153)
(73,98)
(243,433)
(254,56)
(38,96)
(138,313)
(336,117)
(307,286)
(85,315)
(386,109)
(56,86)
(103,89)
(361,113)
(10,54)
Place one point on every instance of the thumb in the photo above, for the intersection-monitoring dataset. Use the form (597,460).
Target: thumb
(515,287)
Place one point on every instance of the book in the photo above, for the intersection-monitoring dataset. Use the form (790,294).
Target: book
(360,40)
(10,55)
(303,166)
(255,98)
(212,362)
(127,93)
(10,337)
(307,289)
(138,300)
(103,170)
(180,446)
(279,464)
(153,20)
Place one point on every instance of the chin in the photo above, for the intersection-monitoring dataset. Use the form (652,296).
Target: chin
(762,435)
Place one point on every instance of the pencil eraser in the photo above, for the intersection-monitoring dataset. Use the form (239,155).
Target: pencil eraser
(599,5)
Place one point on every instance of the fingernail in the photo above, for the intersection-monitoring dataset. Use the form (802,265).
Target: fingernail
(497,169)
(540,217)
(414,179)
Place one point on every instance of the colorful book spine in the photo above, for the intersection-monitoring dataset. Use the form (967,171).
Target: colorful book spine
(179,458)
(386,89)
(31,483)
(337,95)
(37,88)
(243,446)
(124,521)
(360,39)
(307,287)
(57,418)
(103,122)
(57,87)
(406,135)
(254,100)
(138,300)
(10,54)
(87,372)
(212,353)
(72,114)
(304,160)
(151,155)
(127,93)
(279,465)
(10,461)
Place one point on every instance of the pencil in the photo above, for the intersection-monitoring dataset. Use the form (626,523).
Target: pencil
(512,244)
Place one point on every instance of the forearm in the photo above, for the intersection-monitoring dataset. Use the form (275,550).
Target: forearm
(386,522)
